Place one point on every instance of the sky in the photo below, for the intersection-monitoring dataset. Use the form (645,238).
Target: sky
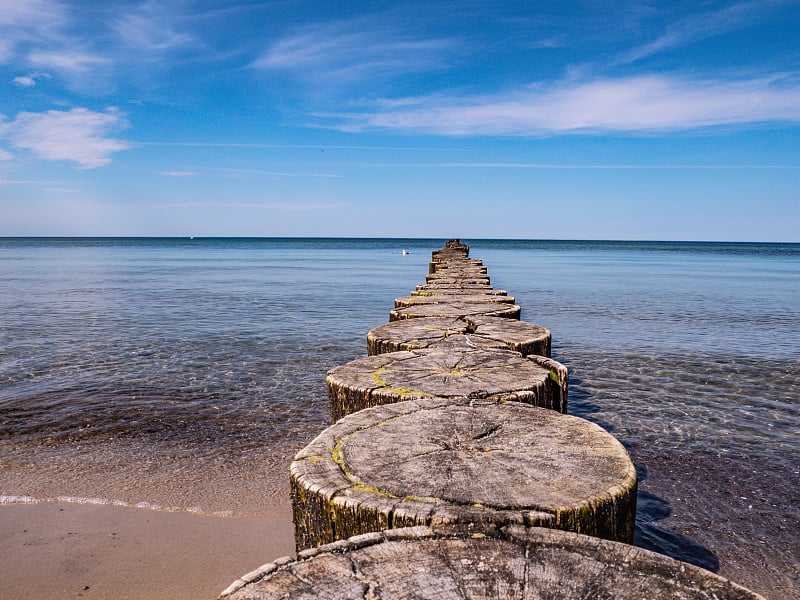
(634,120)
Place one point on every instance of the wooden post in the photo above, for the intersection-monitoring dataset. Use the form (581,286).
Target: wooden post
(456,309)
(416,300)
(438,460)
(480,561)
(446,373)
(437,289)
(484,332)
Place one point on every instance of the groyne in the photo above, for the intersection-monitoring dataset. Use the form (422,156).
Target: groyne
(451,469)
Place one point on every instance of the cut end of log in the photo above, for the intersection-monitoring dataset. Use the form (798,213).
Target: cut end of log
(452,371)
(479,561)
(440,461)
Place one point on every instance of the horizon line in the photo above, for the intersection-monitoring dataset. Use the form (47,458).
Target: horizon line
(345,237)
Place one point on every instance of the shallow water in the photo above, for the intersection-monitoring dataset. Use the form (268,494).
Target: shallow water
(184,374)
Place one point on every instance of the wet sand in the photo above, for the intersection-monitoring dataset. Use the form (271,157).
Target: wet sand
(70,551)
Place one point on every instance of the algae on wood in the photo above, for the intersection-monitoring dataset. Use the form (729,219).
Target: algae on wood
(439,460)
(447,373)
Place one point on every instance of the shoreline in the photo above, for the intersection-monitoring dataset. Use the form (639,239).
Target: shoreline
(95,551)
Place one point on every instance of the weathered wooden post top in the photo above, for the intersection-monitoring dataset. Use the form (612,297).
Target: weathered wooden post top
(439,460)
(478,562)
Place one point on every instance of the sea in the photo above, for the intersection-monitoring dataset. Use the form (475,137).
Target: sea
(183,374)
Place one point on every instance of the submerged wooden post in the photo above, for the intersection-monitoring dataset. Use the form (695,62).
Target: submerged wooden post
(438,460)
(446,373)
(455,563)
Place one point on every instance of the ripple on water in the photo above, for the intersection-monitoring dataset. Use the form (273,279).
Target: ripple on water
(706,403)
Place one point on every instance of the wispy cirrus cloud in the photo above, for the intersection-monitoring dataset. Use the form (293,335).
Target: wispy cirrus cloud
(240,172)
(29,182)
(703,26)
(281,206)
(180,173)
(41,34)
(576,166)
(654,103)
(79,135)
(41,14)
(351,51)
(319,147)
(276,173)
(75,62)
(151,27)
(28,21)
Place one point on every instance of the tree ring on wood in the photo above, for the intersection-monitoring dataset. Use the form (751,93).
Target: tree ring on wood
(457,562)
(446,373)
(439,460)
(483,332)
(456,309)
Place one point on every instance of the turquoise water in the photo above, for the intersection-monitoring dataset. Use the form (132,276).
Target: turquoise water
(184,373)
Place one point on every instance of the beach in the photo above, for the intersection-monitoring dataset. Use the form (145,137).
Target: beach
(58,551)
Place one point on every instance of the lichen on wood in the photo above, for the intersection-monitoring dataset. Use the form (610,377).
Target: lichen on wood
(440,460)
(448,372)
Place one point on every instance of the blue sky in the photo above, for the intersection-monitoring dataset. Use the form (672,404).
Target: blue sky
(572,120)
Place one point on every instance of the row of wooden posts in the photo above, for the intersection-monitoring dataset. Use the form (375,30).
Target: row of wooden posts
(452,469)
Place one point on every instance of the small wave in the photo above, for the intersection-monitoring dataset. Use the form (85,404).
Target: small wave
(11,500)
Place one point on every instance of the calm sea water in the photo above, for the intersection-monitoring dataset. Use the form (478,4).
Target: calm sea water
(184,374)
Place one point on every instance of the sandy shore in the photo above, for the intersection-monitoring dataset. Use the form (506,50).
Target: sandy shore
(87,551)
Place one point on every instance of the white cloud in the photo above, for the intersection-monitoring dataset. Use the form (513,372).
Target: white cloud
(179,173)
(28,181)
(24,81)
(72,63)
(78,135)
(702,26)
(29,80)
(26,21)
(5,155)
(281,206)
(347,52)
(275,173)
(625,105)
(149,27)
(575,166)
(30,13)
(39,33)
